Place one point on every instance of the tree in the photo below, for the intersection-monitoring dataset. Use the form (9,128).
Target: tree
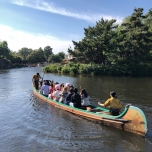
(137,39)
(98,42)
(62,55)
(40,53)
(55,58)
(24,52)
(47,52)
(4,50)
(36,56)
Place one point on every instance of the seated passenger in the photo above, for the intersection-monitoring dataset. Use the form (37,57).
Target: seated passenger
(113,103)
(85,103)
(56,93)
(63,95)
(62,86)
(45,89)
(76,99)
(68,86)
(68,97)
(52,89)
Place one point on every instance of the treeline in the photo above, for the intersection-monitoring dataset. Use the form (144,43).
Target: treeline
(124,48)
(40,55)
(26,55)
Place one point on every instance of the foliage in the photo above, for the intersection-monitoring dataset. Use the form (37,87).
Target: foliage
(52,68)
(24,52)
(4,50)
(56,58)
(118,49)
(47,52)
(98,69)
(36,56)
(107,48)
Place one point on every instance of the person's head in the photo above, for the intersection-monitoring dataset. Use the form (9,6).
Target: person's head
(83,91)
(75,90)
(65,89)
(38,74)
(67,84)
(57,87)
(71,90)
(62,85)
(72,87)
(113,94)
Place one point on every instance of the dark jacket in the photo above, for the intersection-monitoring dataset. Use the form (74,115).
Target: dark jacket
(76,100)
(68,97)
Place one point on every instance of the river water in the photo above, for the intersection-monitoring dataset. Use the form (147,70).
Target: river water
(31,125)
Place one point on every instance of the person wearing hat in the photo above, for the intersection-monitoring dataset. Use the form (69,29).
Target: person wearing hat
(35,80)
(56,93)
(113,103)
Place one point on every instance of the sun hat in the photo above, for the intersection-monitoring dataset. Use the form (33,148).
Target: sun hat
(67,84)
(57,87)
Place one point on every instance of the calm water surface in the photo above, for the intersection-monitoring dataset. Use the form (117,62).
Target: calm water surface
(30,125)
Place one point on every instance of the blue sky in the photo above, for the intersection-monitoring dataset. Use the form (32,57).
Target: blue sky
(38,23)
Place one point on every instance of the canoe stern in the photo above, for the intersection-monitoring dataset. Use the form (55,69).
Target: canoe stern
(138,122)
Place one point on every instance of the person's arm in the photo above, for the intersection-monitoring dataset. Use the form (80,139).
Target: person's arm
(40,77)
(99,103)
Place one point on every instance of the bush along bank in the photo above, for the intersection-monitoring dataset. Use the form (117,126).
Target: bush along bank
(144,69)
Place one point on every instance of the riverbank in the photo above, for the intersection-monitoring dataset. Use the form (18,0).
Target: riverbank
(98,69)
(6,64)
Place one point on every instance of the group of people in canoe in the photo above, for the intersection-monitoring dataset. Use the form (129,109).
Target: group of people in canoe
(67,94)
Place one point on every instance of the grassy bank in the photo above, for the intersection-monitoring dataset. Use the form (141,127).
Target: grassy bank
(98,69)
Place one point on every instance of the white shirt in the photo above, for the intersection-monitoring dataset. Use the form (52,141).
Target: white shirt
(56,95)
(45,90)
(85,101)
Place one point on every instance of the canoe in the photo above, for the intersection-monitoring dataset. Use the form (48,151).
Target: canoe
(131,119)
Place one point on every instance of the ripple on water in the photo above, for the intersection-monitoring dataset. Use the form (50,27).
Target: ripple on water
(29,124)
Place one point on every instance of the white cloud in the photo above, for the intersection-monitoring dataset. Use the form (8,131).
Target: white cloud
(50,7)
(18,39)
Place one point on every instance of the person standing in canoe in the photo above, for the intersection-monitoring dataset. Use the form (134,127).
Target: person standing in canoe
(35,80)
(113,103)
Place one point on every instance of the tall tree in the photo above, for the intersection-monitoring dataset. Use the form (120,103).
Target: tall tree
(24,52)
(36,56)
(4,50)
(136,43)
(98,42)
(47,52)
(62,55)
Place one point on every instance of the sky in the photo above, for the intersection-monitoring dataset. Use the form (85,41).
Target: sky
(40,23)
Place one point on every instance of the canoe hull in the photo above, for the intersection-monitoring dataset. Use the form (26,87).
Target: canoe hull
(133,120)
